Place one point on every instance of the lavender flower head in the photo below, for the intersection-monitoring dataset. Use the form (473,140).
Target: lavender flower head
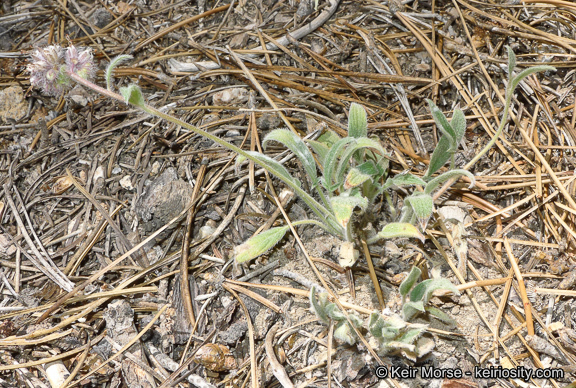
(51,67)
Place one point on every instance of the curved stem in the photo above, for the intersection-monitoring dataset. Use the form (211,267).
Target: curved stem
(324,214)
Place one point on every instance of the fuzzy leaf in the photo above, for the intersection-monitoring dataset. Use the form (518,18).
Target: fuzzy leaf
(441,315)
(320,149)
(330,163)
(344,333)
(400,229)
(359,144)
(423,291)
(422,205)
(295,144)
(355,178)
(334,312)
(343,207)
(113,64)
(525,73)
(434,183)
(458,124)
(409,281)
(274,167)
(133,95)
(443,124)
(259,244)
(411,308)
(357,121)
(439,157)
(402,180)
(424,346)
(412,334)
(511,61)
(318,305)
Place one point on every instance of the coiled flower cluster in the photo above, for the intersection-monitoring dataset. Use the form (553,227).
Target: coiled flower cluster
(51,67)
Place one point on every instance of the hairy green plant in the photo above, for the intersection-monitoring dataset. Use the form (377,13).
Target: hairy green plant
(328,312)
(419,295)
(398,337)
(353,167)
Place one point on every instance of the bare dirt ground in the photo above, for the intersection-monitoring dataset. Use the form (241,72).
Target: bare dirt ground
(104,210)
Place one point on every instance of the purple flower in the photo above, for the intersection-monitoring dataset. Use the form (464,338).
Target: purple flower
(50,68)
(80,62)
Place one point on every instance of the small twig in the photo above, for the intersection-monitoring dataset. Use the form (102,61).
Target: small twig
(277,369)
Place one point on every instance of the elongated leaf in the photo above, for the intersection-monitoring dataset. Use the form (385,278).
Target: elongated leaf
(355,178)
(511,62)
(357,121)
(411,309)
(295,144)
(423,291)
(458,124)
(320,149)
(274,167)
(434,183)
(133,95)
(412,334)
(443,124)
(318,304)
(422,205)
(259,244)
(399,229)
(331,161)
(441,315)
(343,207)
(113,64)
(439,157)
(525,73)
(402,180)
(358,175)
(409,281)
(359,144)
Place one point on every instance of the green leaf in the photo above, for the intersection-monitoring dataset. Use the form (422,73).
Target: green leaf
(441,315)
(458,124)
(443,124)
(259,244)
(113,64)
(133,95)
(400,229)
(357,121)
(439,157)
(344,333)
(434,183)
(423,291)
(320,149)
(358,175)
(412,333)
(511,62)
(359,144)
(295,144)
(409,281)
(274,167)
(318,305)
(411,309)
(405,179)
(355,178)
(344,205)
(334,313)
(525,73)
(330,162)
(422,205)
